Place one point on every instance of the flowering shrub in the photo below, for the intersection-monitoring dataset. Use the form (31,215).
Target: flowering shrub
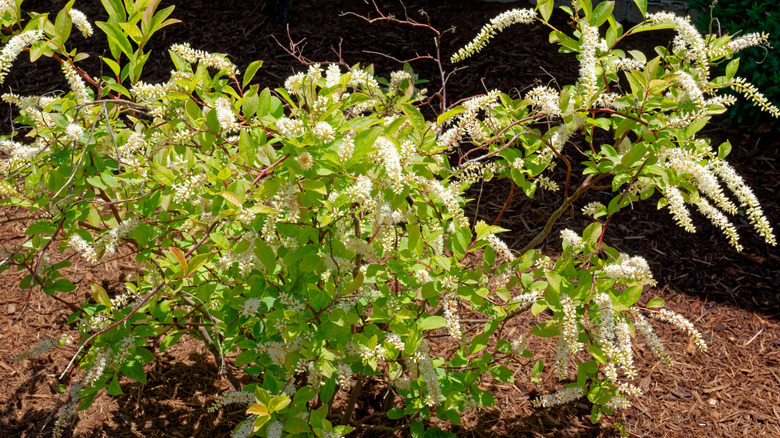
(314,237)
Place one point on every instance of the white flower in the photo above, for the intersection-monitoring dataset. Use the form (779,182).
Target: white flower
(275,429)
(74,132)
(85,249)
(15,45)
(332,75)
(292,83)
(81,22)
(388,153)
(289,127)
(219,62)
(677,207)
(232,397)
(749,40)
(6,5)
(497,24)
(558,398)
(572,239)
(305,161)
(682,324)
(250,307)
(545,99)
(588,73)
(324,132)
(76,83)
(225,115)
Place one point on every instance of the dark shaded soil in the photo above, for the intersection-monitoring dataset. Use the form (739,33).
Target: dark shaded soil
(732,390)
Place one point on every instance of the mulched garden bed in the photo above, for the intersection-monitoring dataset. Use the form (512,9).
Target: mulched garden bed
(732,390)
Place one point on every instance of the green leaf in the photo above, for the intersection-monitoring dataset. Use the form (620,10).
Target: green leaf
(250,72)
(198,261)
(484,230)
(597,353)
(41,227)
(113,387)
(278,403)
(656,302)
(724,150)
(543,331)
(63,22)
(642,5)
(479,342)
(295,425)
(731,68)
(179,255)
(245,358)
(601,13)
(630,296)
(171,339)
(115,9)
(538,368)
(115,35)
(134,370)
(396,414)
(431,322)
(100,295)
(64,285)
(502,374)
(143,355)
(545,7)
(416,117)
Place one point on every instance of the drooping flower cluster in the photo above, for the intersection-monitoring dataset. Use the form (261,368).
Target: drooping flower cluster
(688,39)
(751,92)
(421,365)
(500,247)
(183,191)
(449,303)
(6,5)
(76,83)
(15,45)
(496,25)
(24,102)
(746,198)
(748,40)
(683,324)
(677,207)
(219,62)
(82,247)
(111,239)
(232,397)
(74,132)
(558,398)
(691,88)
(467,122)
(81,22)
(651,339)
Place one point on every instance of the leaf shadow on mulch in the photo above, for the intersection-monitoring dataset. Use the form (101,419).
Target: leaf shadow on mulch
(732,390)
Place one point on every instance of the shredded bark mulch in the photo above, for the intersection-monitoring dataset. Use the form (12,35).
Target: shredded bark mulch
(731,390)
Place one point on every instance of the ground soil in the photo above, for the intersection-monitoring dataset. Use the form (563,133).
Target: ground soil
(731,390)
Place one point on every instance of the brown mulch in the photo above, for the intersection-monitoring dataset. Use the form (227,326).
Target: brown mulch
(732,390)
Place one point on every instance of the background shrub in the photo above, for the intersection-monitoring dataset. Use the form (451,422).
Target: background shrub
(759,66)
